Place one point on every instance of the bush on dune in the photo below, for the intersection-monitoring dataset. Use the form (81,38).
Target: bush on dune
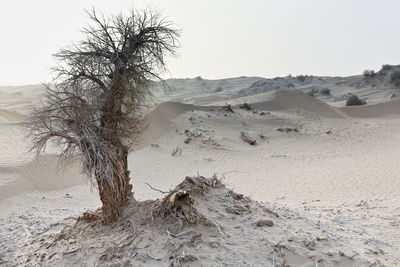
(219,89)
(312,92)
(325,91)
(354,100)
(369,73)
(395,78)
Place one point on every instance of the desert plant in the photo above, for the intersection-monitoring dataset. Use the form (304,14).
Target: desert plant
(369,73)
(395,78)
(301,78)
(245,106)
(312,92)
(228,108)
(219,89)
(325,91)
(386,67)
(354,100)
(96,103)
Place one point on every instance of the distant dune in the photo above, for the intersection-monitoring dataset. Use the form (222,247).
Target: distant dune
(11,117)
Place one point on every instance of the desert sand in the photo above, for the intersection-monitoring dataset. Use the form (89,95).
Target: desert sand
(319,178)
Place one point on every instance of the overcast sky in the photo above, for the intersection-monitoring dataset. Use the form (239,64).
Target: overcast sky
(220,38)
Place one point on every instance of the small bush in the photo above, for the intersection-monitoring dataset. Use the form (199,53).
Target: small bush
(219,89)
(312,92)
(325,91)
(395,78)
(301,78)
(386,67)
(369,73)
(354,101)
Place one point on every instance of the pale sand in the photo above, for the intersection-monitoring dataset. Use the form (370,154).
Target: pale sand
(341,168)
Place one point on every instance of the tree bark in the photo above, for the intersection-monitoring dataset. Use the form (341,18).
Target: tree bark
(114,193)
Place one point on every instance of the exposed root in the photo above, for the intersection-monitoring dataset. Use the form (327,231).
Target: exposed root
(155,189)
(228,108)
(245,106)
(247,138)
(179,203)
(90,216)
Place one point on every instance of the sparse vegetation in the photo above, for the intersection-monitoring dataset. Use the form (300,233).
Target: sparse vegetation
(301,78)
(386,67)
(325,91)
(288,129)
(219,89)
(354,100)
(246,106)
(228,107)
(395,78)
(369,73)
(312,92)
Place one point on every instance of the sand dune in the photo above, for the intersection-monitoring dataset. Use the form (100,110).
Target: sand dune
(43,174)
(11,117)
(335,168)
(289,101)
(38,176)
(390,108)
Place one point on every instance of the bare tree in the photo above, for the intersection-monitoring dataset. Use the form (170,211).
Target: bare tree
(95,105)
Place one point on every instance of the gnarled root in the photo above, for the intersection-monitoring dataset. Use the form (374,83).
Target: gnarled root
(179,203)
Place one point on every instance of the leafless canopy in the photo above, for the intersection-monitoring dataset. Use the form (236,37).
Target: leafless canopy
(101,85)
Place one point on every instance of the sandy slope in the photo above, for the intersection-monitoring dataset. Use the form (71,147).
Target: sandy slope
(220,228)
(11,117)
(340,169)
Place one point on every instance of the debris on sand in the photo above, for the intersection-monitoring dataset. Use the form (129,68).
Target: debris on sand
(262,223)
(177,151)
(246,106)
(228,108)
(199,222)
(288,129)
(247,138)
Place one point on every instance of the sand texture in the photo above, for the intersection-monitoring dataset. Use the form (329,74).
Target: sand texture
(320,181)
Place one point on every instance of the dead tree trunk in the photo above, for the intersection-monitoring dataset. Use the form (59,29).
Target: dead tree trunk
(100,89)
(115,192)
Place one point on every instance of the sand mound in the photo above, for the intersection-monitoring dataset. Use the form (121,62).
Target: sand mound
(233,231)
(391,108)
(160,119)
(42,174)
(11,117)
(288,100)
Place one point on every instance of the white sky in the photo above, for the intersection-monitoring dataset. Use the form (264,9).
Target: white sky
(220,38)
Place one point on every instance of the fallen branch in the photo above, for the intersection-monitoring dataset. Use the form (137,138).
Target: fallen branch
(155,189)
(153,257)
